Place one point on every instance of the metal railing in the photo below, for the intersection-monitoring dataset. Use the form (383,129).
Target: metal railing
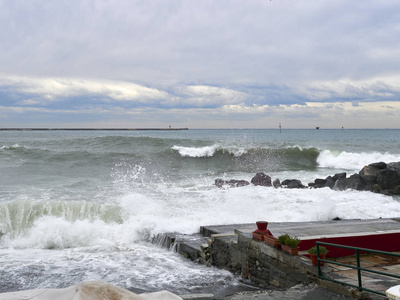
(357,267)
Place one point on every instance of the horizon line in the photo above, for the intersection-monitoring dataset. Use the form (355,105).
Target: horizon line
(169,129)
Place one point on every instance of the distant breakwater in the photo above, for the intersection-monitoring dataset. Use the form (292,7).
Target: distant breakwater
(82,129)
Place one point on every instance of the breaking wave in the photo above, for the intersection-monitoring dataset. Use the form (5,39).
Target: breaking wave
(352,161)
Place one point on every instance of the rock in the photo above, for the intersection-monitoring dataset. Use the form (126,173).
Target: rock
(376,188)
(261,179)
(394,166)
(369,174)
(388,178)
(237,183)
(339,176)
(376,177)
(318,183)
(293,184)
(219,182)
(396,190)
(276,183)
(232,182)
(379,165)
(330,182)
(354,182)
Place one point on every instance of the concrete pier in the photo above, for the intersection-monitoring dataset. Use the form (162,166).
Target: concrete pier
(232,247)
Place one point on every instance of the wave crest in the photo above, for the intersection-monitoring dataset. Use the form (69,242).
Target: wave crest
(21,218)
(206,151)
(352,161)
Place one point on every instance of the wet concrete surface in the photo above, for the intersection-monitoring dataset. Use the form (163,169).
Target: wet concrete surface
(311,292)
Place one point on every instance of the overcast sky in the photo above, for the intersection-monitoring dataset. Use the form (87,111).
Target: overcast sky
(200,63)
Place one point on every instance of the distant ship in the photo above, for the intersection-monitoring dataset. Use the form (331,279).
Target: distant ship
(317,127)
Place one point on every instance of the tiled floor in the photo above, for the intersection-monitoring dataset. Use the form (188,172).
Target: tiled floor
(376,262)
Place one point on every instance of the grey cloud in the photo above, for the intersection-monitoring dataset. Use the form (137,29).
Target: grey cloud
(220,41)
(200,54)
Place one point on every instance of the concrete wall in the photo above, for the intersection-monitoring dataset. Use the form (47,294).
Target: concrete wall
(260,262)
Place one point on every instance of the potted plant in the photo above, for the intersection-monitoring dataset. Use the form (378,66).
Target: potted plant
(313,254)
(289,244)
(273,241)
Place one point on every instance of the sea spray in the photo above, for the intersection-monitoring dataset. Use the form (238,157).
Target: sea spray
(352,161)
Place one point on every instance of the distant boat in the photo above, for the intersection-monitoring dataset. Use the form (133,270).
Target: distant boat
(317,127)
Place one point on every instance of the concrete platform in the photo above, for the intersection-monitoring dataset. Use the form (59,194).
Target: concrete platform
(232,247)
(377,234)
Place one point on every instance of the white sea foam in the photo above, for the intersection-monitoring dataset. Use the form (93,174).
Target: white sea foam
(208,151)
(352,161)
(15,146)
(129,267)
(142,209)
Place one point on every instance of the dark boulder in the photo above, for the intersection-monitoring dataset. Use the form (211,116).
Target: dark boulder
(379,165)
(232,182)
(318,183)
(261,179)
(293,184)
(330,182)
(388,178)
(376,188)
(238,183)
(395,191)
(219,182)
(276,183)
(369,174)
(339,176)
(354,182)
(394,166)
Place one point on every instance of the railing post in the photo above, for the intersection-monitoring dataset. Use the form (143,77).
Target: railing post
(358,270)
(358,267)
(318,262)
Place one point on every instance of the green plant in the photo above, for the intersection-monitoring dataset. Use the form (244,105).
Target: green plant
(322,250)
(282,239)
(289,241)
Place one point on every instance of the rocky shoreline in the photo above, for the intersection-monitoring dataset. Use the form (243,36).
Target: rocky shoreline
(379,177)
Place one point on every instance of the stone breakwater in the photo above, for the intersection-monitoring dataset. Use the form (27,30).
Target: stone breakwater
(380,177)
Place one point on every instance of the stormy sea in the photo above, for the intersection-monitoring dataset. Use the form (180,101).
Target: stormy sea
(84,205)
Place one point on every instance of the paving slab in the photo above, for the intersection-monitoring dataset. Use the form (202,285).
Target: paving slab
(299,292)
(315,229)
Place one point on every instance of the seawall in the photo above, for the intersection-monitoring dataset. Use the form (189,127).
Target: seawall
(233,247)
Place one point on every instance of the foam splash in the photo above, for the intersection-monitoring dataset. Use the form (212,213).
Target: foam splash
(208,151)
(144,209)
(58,224)
(352,161)
(196,152)
(130,267)
(15,146)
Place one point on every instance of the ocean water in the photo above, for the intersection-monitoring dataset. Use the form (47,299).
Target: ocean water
(83,205)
